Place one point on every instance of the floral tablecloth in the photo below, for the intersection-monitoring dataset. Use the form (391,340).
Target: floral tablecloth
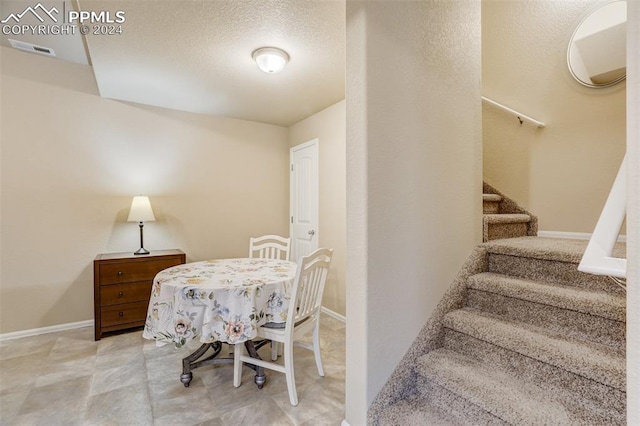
(218,300)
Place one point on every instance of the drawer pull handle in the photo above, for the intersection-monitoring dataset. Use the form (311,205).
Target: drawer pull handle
(120,293)
(120,314)
(120,273)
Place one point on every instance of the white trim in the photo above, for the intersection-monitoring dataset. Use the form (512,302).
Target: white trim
(598,257)
(45,330)
(333,314)
(344,423)
(304,145)
(574,235)
(89,323)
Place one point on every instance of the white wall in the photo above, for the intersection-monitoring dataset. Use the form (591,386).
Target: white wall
(562,173)
(328,126)
(633,213)
(71,161)
(413,175)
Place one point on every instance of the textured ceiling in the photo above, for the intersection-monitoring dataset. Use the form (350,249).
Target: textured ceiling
(195,55)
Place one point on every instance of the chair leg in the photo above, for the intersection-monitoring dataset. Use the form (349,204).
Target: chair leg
(316,348)
(274,350)
(291,380)
(238,351)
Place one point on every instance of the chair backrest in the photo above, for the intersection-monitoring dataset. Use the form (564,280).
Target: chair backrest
(311,276)
(269,247)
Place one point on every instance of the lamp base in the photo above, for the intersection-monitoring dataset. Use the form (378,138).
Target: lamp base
(141,250)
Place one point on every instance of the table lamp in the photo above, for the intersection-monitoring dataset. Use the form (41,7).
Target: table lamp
(141,212)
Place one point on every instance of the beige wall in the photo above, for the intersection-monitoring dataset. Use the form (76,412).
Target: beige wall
(413,175)
(329,127)
(562,173)
(71,161)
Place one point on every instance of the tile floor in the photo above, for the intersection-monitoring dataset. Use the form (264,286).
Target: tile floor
(66,378)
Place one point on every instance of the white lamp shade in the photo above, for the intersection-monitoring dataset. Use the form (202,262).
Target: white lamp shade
(141,210)
(270,59)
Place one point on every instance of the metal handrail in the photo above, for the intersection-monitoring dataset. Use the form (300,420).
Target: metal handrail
(521,117)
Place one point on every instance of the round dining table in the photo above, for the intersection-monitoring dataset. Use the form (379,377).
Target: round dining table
(216,301)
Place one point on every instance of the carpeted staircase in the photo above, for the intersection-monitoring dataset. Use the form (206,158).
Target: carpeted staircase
(503,218)
(520,338)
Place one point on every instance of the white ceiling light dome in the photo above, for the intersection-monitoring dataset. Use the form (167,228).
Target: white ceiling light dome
(270,59)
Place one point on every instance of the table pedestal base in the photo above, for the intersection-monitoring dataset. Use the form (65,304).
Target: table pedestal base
(198,359)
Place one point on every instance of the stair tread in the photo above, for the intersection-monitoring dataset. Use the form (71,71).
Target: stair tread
(597,303)
(495,198)
(506,218)
(546,248)
(507,397)
(591,360)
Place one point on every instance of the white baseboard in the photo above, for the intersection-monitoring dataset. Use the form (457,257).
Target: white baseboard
(333,314)
(45,330)
(89,323)
(573,235)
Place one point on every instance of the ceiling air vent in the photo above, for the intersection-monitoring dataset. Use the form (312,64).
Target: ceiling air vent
(28,47)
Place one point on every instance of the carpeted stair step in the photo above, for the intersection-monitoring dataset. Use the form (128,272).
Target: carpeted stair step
(491,203)
(584,398)
(536,343)
(552,260)
(464,412)
(418,411)
(504,396)
(589,360)
(499,226)
(584,314)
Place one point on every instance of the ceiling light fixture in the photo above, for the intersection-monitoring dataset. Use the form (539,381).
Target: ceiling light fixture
(270,59)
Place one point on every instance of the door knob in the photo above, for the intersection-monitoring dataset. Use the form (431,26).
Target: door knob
(312,232)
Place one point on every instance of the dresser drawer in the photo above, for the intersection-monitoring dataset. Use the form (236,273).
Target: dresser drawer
(126,272)
(124,314)
(125,293)
(122,286)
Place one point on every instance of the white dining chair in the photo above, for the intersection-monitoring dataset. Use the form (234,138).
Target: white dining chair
(303,315)
(269,247)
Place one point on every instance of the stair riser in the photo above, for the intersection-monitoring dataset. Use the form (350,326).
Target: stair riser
(607,405)
(576,324)
(498,231)
(465,412)
(490,207)
(549,272)
(413,411)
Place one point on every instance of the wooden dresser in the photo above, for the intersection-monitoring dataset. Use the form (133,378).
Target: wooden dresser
(122,287)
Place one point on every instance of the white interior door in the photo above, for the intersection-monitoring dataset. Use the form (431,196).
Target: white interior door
(304,199)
